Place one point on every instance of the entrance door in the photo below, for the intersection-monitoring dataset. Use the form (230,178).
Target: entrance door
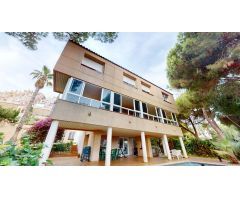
(124,145)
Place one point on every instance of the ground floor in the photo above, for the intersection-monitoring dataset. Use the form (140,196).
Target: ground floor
(134,161)
(116,146)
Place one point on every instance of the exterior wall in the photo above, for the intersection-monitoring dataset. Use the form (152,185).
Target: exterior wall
(85,116)
(69,64)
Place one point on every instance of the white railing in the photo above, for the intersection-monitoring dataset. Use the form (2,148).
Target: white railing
(106,106)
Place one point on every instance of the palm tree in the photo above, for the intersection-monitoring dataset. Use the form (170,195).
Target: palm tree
(44,78)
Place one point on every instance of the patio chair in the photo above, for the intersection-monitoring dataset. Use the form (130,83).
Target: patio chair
(102,154)
(86,154)
(114,154)
(176,153)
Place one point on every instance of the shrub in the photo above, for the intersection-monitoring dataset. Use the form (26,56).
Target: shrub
(26,154)
(62,147)
(9,114)
(39,130)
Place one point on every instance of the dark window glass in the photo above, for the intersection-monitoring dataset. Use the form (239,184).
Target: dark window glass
(106,95)
(158,112)
(164,114)
(117,99)
(144,105)
(174,117)
(137,105)
(116,109)
(72,98)
(76,86)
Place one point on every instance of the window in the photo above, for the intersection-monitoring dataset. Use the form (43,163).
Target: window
(174,117)
(106,95)
(129,80)
(75,90)
(71,136)
(145,87)
(165,96)
(76,86)
(145,110)
(117,101)
(93,64)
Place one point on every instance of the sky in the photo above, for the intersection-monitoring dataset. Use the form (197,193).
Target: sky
(143,53)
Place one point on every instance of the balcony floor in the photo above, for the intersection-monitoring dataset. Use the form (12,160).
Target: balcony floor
(131,161)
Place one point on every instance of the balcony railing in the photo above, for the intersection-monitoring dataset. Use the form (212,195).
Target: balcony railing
(123,110)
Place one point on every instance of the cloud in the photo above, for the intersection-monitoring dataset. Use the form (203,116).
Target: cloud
(142,53)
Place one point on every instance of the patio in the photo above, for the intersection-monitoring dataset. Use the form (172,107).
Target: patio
(131,161)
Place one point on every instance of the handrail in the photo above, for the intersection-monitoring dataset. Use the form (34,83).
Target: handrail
(99,104)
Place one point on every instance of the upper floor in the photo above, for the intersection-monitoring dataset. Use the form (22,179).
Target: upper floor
(81,63)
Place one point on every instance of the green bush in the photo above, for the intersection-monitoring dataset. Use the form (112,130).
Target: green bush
(62,147)
(195,146)
(26,154)
(9,114)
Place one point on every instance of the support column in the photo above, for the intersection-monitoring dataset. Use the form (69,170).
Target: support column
(108,147)
(183,147)
(149,147)
(80,143)
(47,146)
(164,147)
(90,139)
(96,147)
(144,149)
(167,147)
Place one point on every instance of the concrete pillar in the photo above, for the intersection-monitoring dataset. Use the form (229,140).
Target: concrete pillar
(149,147)
(164,147)
(144,149)
(108,147)
(183,147)
(47,146)
(167,147)
(96,147)
(90,139)
(80,141)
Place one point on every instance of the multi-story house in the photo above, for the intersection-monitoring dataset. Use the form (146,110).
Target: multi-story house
(112,106)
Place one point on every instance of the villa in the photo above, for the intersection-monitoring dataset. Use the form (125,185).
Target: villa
(109,107)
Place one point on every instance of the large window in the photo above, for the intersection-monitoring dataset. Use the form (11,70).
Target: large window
(145,110)
(106,96)
(93,64)
(117,103)
(75,90)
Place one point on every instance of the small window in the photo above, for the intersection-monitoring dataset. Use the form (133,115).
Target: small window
(71,136)
(145,88)
(165,96)
(93,64)
(129,80)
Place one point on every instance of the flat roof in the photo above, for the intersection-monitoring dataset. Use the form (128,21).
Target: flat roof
(118,65)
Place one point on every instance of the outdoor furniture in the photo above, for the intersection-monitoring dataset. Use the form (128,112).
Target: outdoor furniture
(102,153)
(114,154)
(121,153)
(86,154)
(176,153)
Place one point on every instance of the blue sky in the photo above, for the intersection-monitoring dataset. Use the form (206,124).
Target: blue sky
(142,53)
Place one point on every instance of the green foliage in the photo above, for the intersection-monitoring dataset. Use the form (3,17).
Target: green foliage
(229,146)
(62,147)
(9,114)
(26,154)
(31,39)
(198,147)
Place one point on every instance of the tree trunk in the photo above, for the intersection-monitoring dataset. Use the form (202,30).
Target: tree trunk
(213,124)
(194,128)
(25,116)
(188,130)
